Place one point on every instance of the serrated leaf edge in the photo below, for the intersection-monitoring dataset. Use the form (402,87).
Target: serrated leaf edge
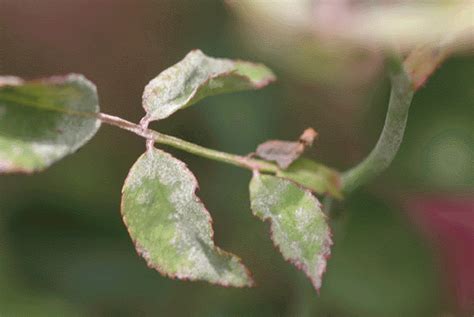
(143,253)
(322,258)
(256,85)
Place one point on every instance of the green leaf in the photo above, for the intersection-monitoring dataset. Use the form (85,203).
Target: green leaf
(170,226)
(198,76)
(314,176)
(298,226)
(43,121)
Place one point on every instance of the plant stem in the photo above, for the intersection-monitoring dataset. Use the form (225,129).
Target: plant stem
(392,134)
(237,160)
(375,163)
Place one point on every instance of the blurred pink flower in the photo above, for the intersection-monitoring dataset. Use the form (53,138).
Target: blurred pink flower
(448,223)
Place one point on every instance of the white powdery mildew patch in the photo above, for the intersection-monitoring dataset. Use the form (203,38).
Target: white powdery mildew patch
(177,85)
(159,166)
(75,131)
(70,132)
(321,262)
(144,169)
(268,202)
(193,234)
(295,250)
(87,87)
(304,218)
(300,222)
(144,196)
(175,175)
(314,266)
(266,198)
(201,267)
(191,222)
(143,253)
(40,140)
(49,152)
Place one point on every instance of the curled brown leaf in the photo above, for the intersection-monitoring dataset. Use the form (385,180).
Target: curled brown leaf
(286,152)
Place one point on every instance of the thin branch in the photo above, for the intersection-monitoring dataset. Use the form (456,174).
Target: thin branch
(392,134)
(141,130)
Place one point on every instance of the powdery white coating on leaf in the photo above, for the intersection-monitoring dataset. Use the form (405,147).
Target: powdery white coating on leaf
(170,226)
(43,121)
(198,76)
(298,225)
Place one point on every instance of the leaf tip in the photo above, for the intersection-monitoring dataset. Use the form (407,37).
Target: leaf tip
(321,263)
(298,227)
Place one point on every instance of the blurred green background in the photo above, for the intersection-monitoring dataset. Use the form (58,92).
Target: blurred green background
(64,250)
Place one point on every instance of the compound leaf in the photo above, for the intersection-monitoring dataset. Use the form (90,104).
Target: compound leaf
(198,76)
(169,225)
(298,226)
(43,121)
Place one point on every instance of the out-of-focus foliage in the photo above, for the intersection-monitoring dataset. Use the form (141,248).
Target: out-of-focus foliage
(378,266)
(402,24)
(350,36)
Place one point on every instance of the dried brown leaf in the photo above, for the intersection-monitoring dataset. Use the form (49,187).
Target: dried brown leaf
(286,152)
